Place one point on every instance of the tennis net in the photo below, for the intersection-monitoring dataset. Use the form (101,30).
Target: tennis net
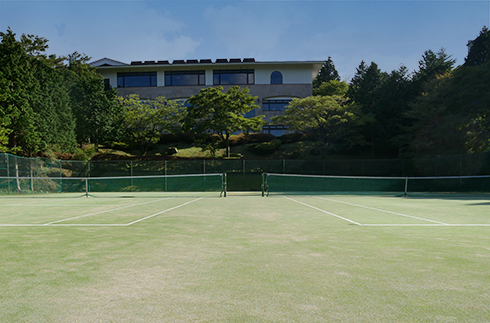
(126,184)
(289,183)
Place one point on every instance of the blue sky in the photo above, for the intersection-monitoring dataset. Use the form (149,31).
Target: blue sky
(390,33)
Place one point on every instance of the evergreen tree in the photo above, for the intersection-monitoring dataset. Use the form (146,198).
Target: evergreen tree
(327,73)
(17,83)
(96,110)
(479,49)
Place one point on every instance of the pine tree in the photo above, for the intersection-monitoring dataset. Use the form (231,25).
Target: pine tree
(327,73)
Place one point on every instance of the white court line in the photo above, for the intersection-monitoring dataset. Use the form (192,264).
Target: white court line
(164,211)
(381,210)
(427,225)
(105,211)
(318,209)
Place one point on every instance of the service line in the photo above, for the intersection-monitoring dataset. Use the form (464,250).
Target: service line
(321,210)
(381,210)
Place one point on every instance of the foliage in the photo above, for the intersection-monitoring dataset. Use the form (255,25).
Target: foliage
(95,108)
(16,86)
(330,120)
(326,73)
(479,49)
(265,148)
(146,120)
(332,87)
(213,111)
(45,103)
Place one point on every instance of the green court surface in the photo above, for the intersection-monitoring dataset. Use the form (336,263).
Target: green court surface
(176,257)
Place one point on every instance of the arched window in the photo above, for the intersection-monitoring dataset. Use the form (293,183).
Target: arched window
(276,77)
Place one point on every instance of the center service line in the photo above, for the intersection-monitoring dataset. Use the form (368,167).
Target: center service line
(318,209)
(161,212)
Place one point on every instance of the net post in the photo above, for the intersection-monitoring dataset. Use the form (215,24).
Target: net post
(224,184)
(86,187)
(406,187)
(264,184)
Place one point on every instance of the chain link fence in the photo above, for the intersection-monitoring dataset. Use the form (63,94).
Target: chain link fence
(245,174)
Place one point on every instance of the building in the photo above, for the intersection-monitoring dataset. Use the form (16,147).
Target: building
(274,83)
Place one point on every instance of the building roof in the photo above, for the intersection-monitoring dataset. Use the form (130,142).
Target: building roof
(107,62)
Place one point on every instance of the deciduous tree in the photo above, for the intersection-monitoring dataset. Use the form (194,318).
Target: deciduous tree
(146,120)
(222,113)
(330,120)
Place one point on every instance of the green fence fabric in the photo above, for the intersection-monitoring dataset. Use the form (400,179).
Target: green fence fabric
(244,173)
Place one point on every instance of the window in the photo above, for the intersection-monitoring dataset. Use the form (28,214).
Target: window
(276,77)
(275,130)
(137,79)
(185,78)
(275,105)
(233,77)
(107,84)
(249,114)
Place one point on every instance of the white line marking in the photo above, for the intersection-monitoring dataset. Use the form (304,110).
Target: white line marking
(164,211)
(427,225)
(105,211)
(318,209)
(381,210)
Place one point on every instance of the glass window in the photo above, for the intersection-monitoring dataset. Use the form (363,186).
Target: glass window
(250,114)
(275,130)
(276,77)
(136,79)
(275,105)
(233,77)
(185,78)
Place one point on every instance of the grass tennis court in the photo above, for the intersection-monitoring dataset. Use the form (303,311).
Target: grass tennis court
(176,257)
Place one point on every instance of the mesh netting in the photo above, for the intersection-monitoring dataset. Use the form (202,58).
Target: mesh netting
(175,183)
(283,183)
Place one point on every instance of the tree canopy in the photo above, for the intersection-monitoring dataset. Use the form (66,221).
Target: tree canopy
(222,113)
(145,121)
(331,120)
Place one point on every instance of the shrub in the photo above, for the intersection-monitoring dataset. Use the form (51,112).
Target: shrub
(239,139)
(85,153)
(260,137)
(291,137)
(172,151)
(265,148)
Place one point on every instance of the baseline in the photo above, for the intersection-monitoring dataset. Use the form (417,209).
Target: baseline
(381,210)
(321,210)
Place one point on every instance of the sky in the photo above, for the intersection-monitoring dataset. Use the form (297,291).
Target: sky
(389,33)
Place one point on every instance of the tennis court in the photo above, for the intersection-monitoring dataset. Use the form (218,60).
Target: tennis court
(196,256)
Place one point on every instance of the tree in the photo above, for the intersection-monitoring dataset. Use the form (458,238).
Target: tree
(434,129)
(327,73)
(95,108)
(479,49)
(431,66)
(17,84)
(332,87)
(331,120)
(4,139)
(146,120)
(213,111)
(364,89)
(55,121)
